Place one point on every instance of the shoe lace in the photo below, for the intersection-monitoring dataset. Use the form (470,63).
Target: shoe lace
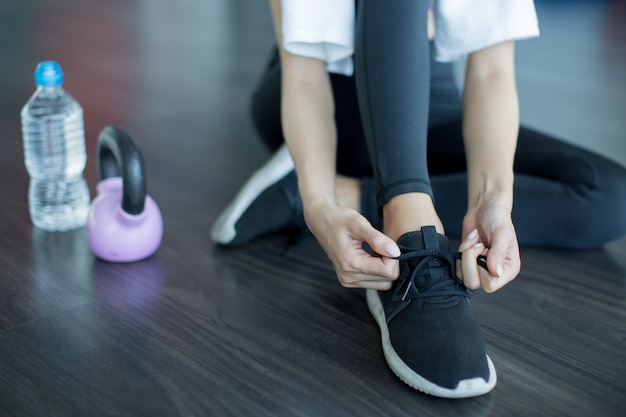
(445,287)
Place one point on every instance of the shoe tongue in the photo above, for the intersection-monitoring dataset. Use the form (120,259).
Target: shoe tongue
(433,272)
(427,238)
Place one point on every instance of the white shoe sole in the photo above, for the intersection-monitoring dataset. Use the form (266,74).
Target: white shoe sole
(466,388)
(279,165)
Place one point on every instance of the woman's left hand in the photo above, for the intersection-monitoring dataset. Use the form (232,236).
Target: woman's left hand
(489,231)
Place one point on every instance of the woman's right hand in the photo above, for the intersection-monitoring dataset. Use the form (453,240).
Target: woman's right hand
(341,233)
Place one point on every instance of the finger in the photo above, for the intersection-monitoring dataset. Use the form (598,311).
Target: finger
(381,243)
(469,266)
(377,268)
(508,273)
(502,239)
(353,264)
(469,241)
(358,265)
(490,283)
(371,285)
(367,279)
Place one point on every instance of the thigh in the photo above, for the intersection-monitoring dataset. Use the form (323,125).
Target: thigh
(352,155)
(565,195)
(265,104)
(445,96)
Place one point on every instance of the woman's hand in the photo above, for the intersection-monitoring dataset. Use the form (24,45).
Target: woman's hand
(490,130)
(489,231)
(341,233)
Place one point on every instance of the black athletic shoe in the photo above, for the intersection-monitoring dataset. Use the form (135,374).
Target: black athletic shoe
(429,336)
(267,203)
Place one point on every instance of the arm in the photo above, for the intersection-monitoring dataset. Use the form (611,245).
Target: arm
(490,130)
(308,120)
(308,124)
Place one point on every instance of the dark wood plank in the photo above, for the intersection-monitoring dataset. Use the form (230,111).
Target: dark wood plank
(266,330)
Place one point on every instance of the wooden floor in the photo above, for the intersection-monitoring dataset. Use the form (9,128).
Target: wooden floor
(267,330)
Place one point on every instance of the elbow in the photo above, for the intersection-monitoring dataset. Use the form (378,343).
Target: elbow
(492,64)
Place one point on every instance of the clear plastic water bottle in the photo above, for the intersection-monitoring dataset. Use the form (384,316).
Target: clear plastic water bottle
(54,153)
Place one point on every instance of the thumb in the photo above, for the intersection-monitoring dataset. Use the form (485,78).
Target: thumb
(499,246)
(382,244)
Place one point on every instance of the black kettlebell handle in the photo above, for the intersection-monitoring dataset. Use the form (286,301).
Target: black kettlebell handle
(118,155)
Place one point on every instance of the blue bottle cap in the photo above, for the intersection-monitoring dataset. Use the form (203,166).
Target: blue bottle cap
(48,74)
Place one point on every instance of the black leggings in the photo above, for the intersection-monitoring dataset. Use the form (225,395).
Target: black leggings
(392,73)
(564,196)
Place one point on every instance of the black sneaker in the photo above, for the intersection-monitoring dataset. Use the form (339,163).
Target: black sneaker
(429,336)
(268,202)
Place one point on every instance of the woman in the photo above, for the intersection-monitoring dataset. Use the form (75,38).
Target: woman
(429,336)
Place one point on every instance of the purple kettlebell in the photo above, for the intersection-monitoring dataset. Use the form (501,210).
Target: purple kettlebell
(124,223)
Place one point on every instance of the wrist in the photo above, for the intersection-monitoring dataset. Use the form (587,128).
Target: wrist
(316,210)
(491,188)
(316,195)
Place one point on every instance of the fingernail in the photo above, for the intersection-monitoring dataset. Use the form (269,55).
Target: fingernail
(479,245)
(499,270)
(472,234)
(392,250)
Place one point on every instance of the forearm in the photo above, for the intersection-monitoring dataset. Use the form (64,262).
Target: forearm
(307,113)
(310,133)
(490,125)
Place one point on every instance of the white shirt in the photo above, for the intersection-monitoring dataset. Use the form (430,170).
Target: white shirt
(324,29)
